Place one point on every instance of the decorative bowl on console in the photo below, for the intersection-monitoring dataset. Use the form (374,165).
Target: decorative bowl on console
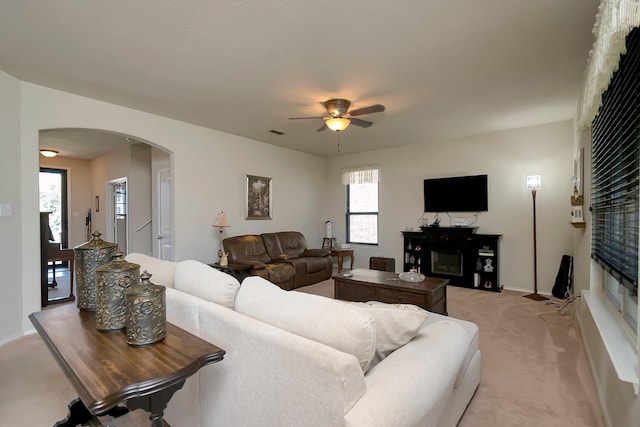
(411,276)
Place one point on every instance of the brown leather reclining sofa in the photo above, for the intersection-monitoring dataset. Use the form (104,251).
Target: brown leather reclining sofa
(282,258)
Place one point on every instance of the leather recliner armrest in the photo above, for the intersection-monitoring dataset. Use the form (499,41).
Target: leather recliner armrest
(316,252)
(255,265)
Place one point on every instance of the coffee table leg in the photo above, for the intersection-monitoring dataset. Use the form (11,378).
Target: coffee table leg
(78,415)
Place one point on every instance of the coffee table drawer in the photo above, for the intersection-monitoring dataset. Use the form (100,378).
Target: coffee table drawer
(354,292)
(398,297)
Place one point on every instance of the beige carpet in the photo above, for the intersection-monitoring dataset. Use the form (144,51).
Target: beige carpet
(534,369)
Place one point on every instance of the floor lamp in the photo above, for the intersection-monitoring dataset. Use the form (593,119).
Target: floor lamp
(534,183)
(221,222)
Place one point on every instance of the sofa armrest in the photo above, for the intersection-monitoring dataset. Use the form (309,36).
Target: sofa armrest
(316,252)
(321,384)
(255,265)
(418,378)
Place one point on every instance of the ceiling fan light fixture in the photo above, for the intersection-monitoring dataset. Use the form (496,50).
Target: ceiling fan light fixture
(48,153)
(337,124)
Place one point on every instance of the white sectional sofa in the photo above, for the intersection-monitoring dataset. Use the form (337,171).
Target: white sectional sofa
(296,359)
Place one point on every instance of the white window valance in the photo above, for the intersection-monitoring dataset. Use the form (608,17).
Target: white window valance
(615,20)
(361,175)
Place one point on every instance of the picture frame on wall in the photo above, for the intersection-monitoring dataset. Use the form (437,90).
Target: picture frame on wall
(258,197)
(578,171)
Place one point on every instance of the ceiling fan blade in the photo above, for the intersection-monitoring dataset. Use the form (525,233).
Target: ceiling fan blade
(303,118)
(323,127)
(361,123)
(377,108)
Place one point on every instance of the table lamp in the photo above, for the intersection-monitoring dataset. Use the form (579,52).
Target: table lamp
(221,222)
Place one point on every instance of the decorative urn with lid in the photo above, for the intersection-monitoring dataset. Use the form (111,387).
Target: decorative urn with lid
(146,312)
(112,280)
(87,257)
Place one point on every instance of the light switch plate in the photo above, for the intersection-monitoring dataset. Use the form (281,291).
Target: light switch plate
(6,209)
(459,222)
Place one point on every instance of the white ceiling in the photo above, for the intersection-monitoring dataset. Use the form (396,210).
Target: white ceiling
(443,68)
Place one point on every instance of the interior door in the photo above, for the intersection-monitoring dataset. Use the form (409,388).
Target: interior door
(165,230)
(118,213)
(55,276)
(53,198)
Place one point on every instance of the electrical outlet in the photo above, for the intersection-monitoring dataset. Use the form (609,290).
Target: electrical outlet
(459,222)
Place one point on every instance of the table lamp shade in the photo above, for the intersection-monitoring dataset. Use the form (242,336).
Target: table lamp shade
(221,221)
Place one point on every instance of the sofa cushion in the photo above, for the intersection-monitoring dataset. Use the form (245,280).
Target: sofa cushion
(396,325)
(273,246)
(293,242)
(344,327)
(162,272)
(246,249)
(198,279)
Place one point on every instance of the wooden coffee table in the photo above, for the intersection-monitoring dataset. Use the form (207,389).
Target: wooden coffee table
(105,371)
(384,286)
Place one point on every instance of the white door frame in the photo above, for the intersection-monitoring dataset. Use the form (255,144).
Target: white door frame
(111,212)
(165,218)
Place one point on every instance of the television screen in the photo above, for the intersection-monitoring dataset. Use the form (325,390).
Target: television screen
(456,194)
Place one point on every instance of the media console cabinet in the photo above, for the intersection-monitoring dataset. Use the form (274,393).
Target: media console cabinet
(459,254)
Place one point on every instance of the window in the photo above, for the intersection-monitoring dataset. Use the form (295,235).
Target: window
(615,184)
(362,204)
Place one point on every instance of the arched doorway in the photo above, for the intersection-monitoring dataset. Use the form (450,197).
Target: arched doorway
(93,160)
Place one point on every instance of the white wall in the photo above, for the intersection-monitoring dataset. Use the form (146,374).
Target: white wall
(11,248)
(208,176)
(139,199)
(582,237)
(104,169)
(507,157)
(620,404)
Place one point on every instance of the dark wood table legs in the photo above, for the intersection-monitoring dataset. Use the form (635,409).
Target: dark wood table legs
(80,415)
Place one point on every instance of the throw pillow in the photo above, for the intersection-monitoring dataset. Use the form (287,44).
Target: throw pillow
(161,271)
(346,328)
(198,279)
(396,325)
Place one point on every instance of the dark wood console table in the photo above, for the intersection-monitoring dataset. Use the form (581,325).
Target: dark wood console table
(105,371)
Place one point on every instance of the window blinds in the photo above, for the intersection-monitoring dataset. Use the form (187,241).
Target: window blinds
(615,171)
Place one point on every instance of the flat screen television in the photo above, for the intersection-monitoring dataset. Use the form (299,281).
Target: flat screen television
(456,194)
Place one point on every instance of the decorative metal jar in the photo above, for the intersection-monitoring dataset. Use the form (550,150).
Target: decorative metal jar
(146,312)
(87,257)
(112,280)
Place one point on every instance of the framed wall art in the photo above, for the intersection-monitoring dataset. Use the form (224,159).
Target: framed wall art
(258,197)
(578,171)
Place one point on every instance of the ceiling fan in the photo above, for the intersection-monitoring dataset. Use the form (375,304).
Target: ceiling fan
(339,117)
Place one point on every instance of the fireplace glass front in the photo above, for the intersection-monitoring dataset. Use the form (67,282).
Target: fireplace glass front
(447,263)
